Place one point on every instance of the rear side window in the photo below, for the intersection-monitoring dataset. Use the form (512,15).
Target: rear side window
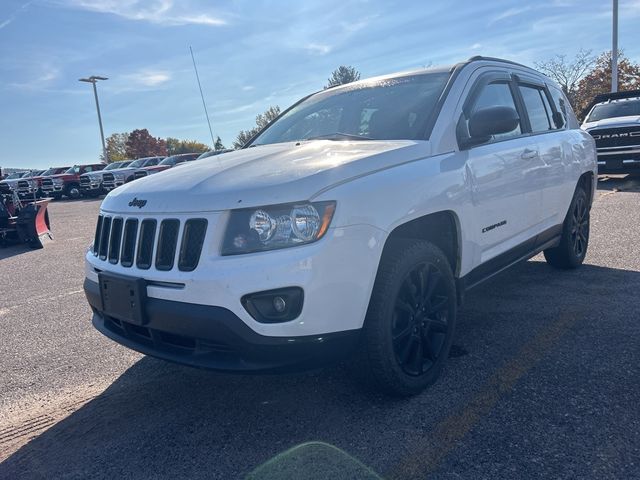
(564,107)
(538,108)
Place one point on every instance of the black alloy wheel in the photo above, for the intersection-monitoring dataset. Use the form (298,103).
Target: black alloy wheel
(580,226)
(410,321)
(572,248)
(419,324)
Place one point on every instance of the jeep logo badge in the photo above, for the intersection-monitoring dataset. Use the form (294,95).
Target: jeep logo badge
(137,203)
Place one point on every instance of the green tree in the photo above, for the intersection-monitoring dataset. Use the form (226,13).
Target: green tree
(262,120)
(218,145)
(116,147)
(342,75)
(176,146)
(598,80)
(141,143)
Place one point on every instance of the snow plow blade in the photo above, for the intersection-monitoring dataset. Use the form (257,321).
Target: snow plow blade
(32,224)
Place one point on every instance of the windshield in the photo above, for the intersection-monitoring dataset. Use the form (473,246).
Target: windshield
(137,163)
(391,109)
(73,170)
(623,108)
(13,176)
(113,166)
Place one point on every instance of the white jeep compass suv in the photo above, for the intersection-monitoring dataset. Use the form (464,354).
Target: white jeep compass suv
(353,223)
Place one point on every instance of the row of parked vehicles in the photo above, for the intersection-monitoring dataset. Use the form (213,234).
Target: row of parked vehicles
(92,180)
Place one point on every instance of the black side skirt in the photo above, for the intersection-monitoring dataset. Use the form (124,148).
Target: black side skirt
(547,239)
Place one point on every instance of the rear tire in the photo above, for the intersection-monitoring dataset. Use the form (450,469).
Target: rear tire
(411,318)
(572,250)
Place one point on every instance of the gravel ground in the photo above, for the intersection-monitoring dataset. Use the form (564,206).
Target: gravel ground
(542,383)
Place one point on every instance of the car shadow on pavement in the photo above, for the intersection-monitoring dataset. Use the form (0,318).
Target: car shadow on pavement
(164,420)
(622,183)
(9,251)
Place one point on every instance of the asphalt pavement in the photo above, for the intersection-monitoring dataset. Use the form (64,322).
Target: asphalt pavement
(543,382)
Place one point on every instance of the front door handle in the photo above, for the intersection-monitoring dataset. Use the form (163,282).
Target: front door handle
(528,154)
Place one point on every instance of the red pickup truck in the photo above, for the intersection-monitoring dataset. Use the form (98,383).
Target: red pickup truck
(68,183)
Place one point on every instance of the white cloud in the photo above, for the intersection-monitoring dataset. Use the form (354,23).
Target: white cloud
(476,46)
(40,78)
(13,16)
(511,12)
(318,48)
(148,78)
(163,12)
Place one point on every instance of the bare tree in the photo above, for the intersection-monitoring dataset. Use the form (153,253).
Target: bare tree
(568,72)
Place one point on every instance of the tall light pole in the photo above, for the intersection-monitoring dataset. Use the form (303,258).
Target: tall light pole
(93,80)
(614,49)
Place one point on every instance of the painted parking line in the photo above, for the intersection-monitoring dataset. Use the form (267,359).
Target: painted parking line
(434,446)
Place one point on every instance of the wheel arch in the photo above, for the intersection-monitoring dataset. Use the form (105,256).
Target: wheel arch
(440,228)
(587,180)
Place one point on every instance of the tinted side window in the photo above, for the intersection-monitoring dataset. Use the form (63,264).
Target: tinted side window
(561,105)
(538,108)
(496,94)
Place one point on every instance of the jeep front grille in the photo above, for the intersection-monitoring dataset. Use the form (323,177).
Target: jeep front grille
(108,177)
(119,240)
(139,174)
(84,181)
(47,182)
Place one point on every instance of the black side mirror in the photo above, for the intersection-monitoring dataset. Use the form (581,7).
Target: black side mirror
(492,121)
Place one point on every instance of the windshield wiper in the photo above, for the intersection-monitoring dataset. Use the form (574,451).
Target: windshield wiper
(339,136)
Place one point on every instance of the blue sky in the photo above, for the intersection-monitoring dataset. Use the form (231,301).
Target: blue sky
(250,54)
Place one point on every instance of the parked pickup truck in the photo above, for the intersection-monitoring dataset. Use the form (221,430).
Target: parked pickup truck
(29,187)
(91,184)
(614,122)
(68,183)
(353,224)
(134,170)
(11,180)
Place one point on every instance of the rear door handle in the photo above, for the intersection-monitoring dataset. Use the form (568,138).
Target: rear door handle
(528,154)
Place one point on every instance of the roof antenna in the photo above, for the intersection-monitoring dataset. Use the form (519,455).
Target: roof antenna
(213,142)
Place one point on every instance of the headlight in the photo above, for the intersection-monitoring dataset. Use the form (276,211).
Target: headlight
(276,226)
(58,181)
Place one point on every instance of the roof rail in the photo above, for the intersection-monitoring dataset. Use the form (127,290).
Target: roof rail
(479,58)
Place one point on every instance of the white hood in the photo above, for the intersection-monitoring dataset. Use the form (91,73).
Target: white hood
(629,121)
(261,175)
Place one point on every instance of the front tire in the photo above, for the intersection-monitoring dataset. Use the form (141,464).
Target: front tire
(572,250)
(411,318)
(72,192)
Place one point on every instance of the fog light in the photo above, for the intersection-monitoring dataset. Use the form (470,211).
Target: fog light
(273,306)
(279,304)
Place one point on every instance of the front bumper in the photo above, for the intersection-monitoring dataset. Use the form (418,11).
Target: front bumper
(49,189)
(215,338)
(91,187)
(611,166)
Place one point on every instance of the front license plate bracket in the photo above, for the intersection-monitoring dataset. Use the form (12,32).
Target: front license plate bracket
(123,297)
